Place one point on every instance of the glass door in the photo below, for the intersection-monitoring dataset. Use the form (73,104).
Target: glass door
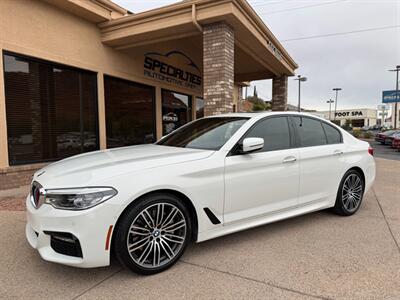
(176,110)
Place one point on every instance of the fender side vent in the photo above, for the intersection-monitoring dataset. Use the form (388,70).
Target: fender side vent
(211,216)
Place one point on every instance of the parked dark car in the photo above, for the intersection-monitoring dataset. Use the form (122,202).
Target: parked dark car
(384,137)
(375,127)
(389,138)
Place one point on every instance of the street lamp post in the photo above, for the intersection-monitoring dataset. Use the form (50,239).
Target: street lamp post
(382,109)
(300,78)
(336,91)
(397,94)
(330,101)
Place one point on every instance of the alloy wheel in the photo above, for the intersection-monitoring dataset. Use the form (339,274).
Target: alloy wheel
(156,235)
(352,192)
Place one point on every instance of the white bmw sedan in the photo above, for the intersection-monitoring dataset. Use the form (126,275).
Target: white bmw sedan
(211,177)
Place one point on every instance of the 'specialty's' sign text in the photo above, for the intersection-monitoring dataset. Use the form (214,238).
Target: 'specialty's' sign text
(161,67)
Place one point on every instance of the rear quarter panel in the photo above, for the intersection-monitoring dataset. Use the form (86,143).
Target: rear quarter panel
(356,155)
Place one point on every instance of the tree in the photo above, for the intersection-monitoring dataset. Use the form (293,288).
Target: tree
(259,106)
(347,125)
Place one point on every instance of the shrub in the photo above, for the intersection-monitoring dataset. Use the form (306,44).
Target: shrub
(258,106)
(368,135)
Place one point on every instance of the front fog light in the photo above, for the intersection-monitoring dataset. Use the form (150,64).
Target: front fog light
(78,199)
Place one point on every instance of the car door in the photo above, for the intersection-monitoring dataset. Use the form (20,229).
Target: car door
(321,159)
(265,181)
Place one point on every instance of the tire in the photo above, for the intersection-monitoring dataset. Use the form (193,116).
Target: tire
(350,194)
(153,234)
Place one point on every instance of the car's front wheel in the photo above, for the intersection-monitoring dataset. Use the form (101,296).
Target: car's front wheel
(350,194)
(152,234)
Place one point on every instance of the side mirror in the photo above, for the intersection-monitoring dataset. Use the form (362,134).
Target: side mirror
(252,144)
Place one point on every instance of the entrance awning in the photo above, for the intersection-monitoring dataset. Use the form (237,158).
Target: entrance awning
(258,54)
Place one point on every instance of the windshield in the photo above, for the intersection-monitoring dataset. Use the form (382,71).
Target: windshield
(389,132)
(207,133)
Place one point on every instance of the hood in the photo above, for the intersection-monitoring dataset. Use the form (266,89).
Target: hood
(83,169)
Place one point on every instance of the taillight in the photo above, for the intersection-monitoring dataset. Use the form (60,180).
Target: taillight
(371,151)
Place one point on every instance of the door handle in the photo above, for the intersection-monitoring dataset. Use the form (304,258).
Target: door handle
(289,159)
(337,152)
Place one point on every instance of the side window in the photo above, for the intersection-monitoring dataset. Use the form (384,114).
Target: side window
(310,132)
(332,134)
(274,131)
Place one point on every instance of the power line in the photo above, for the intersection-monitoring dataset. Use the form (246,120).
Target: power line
(340,33)
(257,2)
(301,7)
(263,3)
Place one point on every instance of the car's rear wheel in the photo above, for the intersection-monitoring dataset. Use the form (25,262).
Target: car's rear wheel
(350,194)
(153,234)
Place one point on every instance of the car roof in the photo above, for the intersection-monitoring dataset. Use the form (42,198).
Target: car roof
(266,113)
(392,131)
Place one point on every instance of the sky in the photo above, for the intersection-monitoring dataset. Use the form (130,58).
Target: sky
(356,62)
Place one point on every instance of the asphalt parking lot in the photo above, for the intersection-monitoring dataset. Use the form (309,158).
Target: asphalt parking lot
(316,256)
(384,151)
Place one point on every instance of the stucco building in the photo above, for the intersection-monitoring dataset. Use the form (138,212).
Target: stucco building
(82,75)
(357,117)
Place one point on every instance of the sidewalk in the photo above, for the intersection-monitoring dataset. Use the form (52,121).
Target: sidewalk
(316,256)
(13,199)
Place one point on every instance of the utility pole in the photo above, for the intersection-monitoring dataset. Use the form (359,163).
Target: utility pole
(397,94)
(336,91)
(300,78)
(330,101)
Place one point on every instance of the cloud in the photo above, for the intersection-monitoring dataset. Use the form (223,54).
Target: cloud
(357,63)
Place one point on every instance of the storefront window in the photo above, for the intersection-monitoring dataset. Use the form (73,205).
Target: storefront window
(199,108)
(176,110)
(130,117)
(51,110)
(357,123)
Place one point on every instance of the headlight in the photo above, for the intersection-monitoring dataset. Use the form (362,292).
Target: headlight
(78,199)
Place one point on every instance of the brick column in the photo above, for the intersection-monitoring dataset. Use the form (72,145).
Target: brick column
(218,68)
(279,93)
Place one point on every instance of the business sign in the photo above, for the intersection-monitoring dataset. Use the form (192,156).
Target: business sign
(170,117)
(173,67)
(354,113)
(390,97)
(274,50)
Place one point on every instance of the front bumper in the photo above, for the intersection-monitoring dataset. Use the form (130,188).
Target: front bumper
(90,227)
